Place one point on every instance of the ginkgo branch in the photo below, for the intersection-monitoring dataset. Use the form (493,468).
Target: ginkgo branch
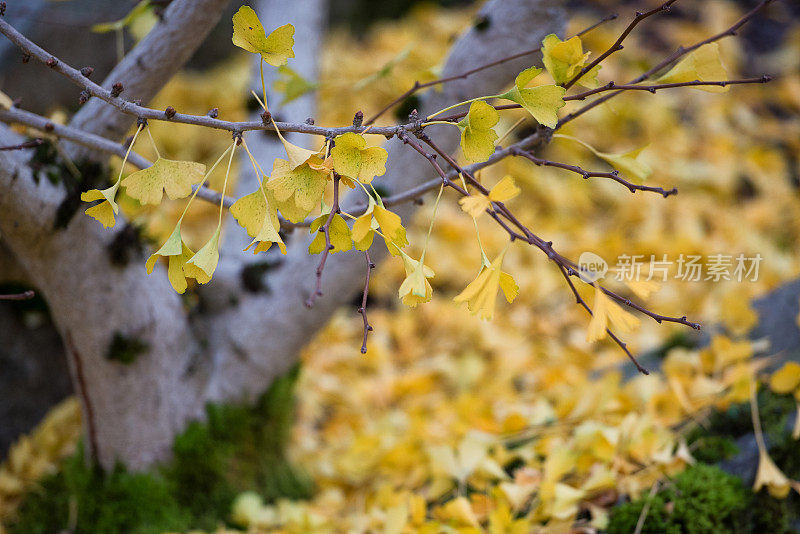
(612,86)
(419,86)
(26,295)
(617,46)
(613,175)
(142,112)
(563,263)
(33,143)
(326,229)
(581,302)
(363,309)
(676,55)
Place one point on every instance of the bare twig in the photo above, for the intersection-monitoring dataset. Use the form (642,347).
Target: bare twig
(581,302)
(617,46)
(679,53)
(613,175)
(27,295)
(418,86)
(612,86)
(33,143)
(326,229)
(363,309)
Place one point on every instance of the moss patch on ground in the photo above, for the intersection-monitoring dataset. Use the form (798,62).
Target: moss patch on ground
(705,499)
(238,448)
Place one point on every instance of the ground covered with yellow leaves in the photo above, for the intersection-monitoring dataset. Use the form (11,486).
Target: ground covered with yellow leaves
(454,424)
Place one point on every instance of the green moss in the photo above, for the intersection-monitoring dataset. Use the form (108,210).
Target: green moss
(702,499)
(124,349)
(713,449)
(240,447)
(92,501)
(774,411)
(725,505)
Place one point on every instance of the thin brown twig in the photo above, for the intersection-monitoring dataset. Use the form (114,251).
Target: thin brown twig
(26,295)
(113,98)
(363,309)
(569,266)
(677,54)
(418,86)
(83,391)
(581,302)
(326,229)
(612,86)
(617,46)
(32,143)
(613,175)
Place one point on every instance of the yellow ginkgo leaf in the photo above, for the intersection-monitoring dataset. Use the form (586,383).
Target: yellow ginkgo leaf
(291,84)
(257,214)
(769,475)
(248,33)
(298,155)
(175,177)
(376,217)
(481,294)
(415,289)
(477,133)
(542,102)
(786,379)
(103,212)
(140,9)
(353,159)
(177,254)
(565,501)
(297,191)
(207,257)
(630,164)
(457,511)
(504,190)
(476,203)
(704,64)
(339,234)
(605,309)
(364,228)
(565,59)
(643,288)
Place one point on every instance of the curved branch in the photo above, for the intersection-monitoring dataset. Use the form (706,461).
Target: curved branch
(145,69)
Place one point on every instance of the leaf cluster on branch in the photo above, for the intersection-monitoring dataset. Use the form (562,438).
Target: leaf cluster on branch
(296,186)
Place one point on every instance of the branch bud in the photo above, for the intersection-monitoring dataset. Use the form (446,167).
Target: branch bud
(169,112)
(52,62)
(116,89)
(358,120)
(265,117)
(84,97)
(213,113)
(87,71)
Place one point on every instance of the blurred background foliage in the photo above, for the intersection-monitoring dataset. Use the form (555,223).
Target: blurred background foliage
(451,424)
